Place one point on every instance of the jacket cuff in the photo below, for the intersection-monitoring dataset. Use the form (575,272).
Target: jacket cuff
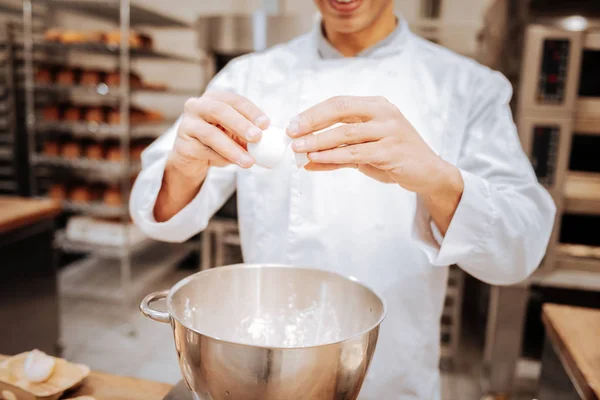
(468,231)
(177,228)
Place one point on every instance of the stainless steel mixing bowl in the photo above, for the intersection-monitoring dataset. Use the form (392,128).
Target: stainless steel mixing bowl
(264,332)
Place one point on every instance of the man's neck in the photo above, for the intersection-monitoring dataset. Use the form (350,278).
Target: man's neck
(351,44)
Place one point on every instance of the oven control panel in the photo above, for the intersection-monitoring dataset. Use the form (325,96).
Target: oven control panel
(544,153)
(553,71)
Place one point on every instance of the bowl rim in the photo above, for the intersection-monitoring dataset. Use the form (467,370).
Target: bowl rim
(352,279)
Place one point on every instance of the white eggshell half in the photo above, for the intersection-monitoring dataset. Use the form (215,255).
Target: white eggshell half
(38,366)
(271,148)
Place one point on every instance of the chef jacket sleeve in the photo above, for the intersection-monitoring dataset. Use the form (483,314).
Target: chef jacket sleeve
(218,186)
(502,225)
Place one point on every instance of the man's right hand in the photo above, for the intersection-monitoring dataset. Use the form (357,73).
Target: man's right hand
(214,131)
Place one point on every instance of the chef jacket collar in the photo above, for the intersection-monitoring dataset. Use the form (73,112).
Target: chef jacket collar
(391,45)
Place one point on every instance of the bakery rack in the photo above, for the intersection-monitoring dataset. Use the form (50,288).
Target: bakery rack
(140,262)
(451,321)
(8,136)
(13,156)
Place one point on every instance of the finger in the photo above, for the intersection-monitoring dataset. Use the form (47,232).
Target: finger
(328,167)
(216,140)
(219,113)
(335,137)
(208,154)
(366,153)
(334,110)
(216,160)
(242,105)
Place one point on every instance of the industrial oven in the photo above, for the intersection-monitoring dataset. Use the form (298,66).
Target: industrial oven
(558,118)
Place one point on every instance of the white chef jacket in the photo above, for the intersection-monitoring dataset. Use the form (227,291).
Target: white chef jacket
(379,233)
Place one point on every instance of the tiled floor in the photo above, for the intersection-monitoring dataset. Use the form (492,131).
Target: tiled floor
(110,339)
(97,335)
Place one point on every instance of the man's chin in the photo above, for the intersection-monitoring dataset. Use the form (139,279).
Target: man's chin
(344,24)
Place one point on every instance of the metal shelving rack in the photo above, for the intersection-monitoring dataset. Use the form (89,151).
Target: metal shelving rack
(8,131)
(451,321)
(13,157)
(147,260)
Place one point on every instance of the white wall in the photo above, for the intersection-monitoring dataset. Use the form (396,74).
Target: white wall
(464,10)
(409,9)
(457,27)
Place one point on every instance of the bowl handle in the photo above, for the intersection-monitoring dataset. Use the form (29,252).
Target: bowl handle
(151,312)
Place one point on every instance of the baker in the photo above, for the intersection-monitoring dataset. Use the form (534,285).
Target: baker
(416,166)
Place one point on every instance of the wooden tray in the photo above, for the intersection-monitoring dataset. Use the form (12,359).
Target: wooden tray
(12,380)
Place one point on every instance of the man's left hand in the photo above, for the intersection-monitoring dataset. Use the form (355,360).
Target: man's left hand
(379,141)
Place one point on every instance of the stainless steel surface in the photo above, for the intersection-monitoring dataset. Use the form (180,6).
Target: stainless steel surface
(11,174)
(125,184)
(504,335)
(29,85)
(238,34)
(104,130)
(257,332)
(100,169)
(104,94)
(100,48)
(451,321)
(151,313)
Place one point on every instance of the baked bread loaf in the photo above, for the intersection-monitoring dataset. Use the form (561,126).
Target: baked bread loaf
(136,152)
(81,194)
(114,79)
(51,148)
(71,149)
(57,192)
(158,86)
(112,196)
(113,153)
(53,35)
(136,116)
(44,75)
(95,37)
(73,114)
(154,116)
(114,117)
(95,114)
(136,40)
(51,113)
(91,77)
(66,76)
(94,151)
(72,36)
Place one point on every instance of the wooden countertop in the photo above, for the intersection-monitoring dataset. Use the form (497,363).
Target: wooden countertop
(111,387)
(16,212)
(575,335)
